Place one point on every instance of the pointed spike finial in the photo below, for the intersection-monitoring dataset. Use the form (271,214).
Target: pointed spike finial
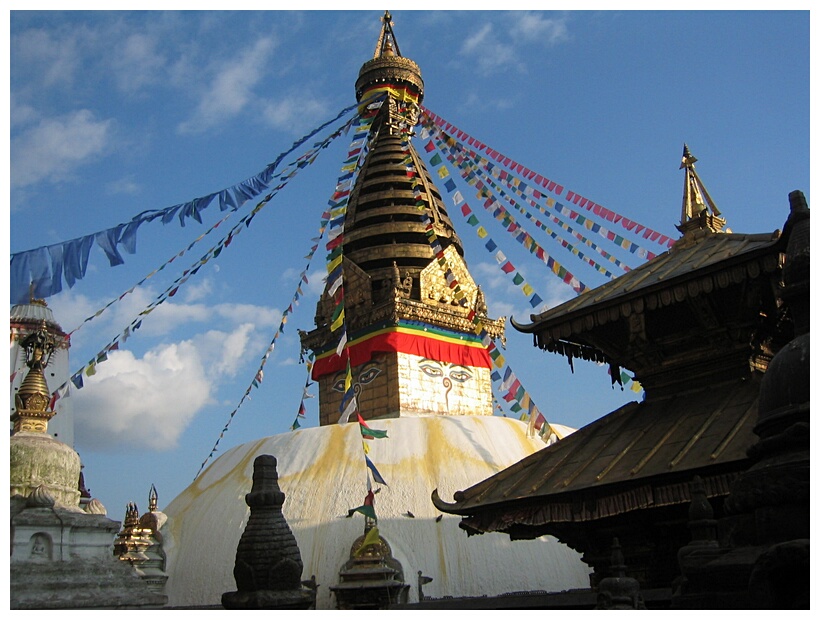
(386,44)
(687,159)
(698,211)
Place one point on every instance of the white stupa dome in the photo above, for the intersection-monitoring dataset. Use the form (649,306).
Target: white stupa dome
(323,474)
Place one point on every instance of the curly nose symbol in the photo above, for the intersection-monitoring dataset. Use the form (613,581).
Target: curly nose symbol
(448,385)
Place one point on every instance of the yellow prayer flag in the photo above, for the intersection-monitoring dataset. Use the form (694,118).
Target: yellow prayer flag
(365,447)
(550,202)
(499,361)
(527,289)
(635,387)
(481,232)
(371,538)
(338,322)
(442,172)
(334,263)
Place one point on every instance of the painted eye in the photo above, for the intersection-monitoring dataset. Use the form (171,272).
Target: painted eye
(431,371)
(460,375)
(339,386)
(368,375)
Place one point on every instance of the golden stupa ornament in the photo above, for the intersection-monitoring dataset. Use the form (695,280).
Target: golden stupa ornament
(699,211)
(32,411)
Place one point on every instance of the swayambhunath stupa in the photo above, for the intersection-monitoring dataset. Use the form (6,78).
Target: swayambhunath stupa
(431,479)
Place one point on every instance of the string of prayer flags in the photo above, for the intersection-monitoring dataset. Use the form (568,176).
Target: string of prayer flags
(302,412)
(512,391)
(512,228)
(47,267)
(549,185)
(303,278)
(626,381)
(216,250)
(338,211)
(469,161)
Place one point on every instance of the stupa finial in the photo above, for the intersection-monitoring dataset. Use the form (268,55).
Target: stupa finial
(32,401)
(699,211)
(386,45)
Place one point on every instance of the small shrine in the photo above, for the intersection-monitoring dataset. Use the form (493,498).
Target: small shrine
(372,578)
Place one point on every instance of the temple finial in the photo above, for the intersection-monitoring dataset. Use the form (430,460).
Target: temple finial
(387,45)
(699,211)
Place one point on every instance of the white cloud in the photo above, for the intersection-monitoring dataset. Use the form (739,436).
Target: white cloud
(147,402)
(495,51)
(142,403)
(137,62)
(54,147)
(532,26)
(125,185)
(485,48)
(231,88)
(45,56)
(293,111)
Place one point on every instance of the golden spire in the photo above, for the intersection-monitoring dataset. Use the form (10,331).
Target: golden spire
(32,411)
(699,211)
(386,44)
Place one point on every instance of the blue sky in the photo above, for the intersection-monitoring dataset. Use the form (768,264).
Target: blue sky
(112,114)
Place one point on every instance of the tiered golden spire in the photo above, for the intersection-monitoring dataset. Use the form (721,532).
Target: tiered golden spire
(699,211)
(32,411)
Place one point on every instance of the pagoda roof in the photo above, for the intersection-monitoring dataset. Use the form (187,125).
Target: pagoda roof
(638,456)
(691,262)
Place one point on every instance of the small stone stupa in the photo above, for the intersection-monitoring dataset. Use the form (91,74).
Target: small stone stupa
(61,554)
(268,568)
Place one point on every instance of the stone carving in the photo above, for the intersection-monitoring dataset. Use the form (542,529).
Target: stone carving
(268,568)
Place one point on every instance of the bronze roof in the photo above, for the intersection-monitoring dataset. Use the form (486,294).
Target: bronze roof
(640,455)
(697,263)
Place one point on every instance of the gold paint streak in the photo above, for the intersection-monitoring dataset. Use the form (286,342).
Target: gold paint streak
(699,433)
(731,434)
(657,447)
(621,455)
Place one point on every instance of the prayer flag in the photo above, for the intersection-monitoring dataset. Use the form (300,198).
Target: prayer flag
(338,322)
(348,411)
(371,538)
(366,509)
(376,475)
(372,433)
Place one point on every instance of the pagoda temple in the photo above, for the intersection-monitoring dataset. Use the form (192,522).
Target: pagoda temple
(663,479)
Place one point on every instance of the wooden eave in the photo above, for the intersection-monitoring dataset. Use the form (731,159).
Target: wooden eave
(694,266)
(639,456)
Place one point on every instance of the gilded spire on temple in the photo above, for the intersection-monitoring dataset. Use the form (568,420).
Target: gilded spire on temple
(405,324)
(387,44)
(699,211)
(32,411)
